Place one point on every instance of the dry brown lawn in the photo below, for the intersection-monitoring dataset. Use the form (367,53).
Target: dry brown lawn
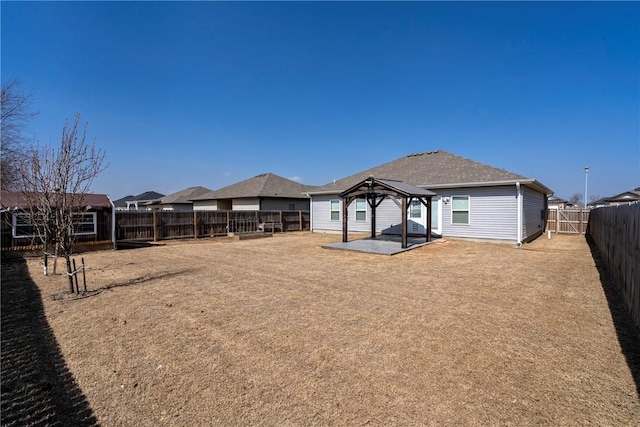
(282,332)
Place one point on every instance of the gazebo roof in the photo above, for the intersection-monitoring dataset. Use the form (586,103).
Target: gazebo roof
(374,185)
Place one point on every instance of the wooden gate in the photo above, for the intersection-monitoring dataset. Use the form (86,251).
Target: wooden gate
(568,221)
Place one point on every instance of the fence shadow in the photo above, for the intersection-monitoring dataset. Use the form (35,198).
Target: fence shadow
(37,387)
(628,333)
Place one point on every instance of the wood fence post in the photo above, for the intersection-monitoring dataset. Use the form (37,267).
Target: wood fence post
(300,219)
(155,226)
(580,222)
(195,224)
(282,223)
(558,220)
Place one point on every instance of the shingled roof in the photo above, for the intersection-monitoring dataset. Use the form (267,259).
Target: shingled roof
(183,196)
(17,200)
(144,197)
(432,169)
(263,185)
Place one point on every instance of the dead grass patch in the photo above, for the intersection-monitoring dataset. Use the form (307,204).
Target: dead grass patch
(279,331)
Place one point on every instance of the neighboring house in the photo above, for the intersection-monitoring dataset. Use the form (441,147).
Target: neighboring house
(95,221)
(626,197)
(262,192)
(179,201)
(136,203)
(558,203)
(603,201)
(473,200)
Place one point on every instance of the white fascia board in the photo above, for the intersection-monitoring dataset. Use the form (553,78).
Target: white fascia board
(320,193)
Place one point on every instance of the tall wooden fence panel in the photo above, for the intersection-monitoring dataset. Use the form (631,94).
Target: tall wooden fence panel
(568,221)
(134,225)
(616,232)
(158,225)
(212,223)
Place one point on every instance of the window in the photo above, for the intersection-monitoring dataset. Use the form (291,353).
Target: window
(435,210)
(292,206)
(460,209)
(361,210)
(335,210)
(415,209)
(24,227)
(84,223)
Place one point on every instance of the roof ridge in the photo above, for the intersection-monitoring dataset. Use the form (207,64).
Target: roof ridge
(266,176)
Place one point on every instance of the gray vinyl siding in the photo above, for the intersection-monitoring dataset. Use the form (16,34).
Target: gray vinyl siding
(388,216)
(205,205)
(533,210)
(493,213)
(245,204)
(321,214)
(283,204)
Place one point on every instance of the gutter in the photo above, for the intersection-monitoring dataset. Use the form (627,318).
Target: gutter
(526,181)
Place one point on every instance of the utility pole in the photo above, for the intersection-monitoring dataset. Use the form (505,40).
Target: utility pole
(586,175)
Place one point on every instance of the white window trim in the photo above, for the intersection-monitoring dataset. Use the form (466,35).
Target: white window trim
(14,221)
(331,211)
(468,210)
(95,225)
(361,210)
(84,233)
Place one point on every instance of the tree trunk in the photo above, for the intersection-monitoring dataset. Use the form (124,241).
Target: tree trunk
(69,271)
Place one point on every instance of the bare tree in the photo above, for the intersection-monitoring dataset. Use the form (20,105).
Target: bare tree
(576,198)
(15,112)
(55,183)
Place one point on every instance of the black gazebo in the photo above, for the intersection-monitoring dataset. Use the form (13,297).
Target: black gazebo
(375,190)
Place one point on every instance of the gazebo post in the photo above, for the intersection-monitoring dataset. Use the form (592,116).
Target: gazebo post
(404,223)
(428,219)
(345,205)
(373,217)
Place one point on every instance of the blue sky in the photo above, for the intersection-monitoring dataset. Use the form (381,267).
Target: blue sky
(210,93)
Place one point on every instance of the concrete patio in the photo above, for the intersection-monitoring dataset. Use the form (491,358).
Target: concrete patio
(385,244)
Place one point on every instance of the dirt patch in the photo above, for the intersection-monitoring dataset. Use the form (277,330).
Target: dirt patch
(279,331)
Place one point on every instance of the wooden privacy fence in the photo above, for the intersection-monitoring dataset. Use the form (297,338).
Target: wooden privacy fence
(569,221)
(158,225)
(616,232)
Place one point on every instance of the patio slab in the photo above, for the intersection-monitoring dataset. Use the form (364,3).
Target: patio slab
(383,245)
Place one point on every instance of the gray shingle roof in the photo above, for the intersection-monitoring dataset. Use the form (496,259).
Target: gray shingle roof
(16,199)
(184,196)
(627,196)
(263,185)
(429,169)
(373,183)
(145,197)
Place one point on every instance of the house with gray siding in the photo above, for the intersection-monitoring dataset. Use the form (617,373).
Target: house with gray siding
(473,200)
(178,201)
(264,192)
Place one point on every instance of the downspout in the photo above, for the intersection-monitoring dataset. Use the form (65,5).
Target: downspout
(310,212)
(519,221)
(113,223)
